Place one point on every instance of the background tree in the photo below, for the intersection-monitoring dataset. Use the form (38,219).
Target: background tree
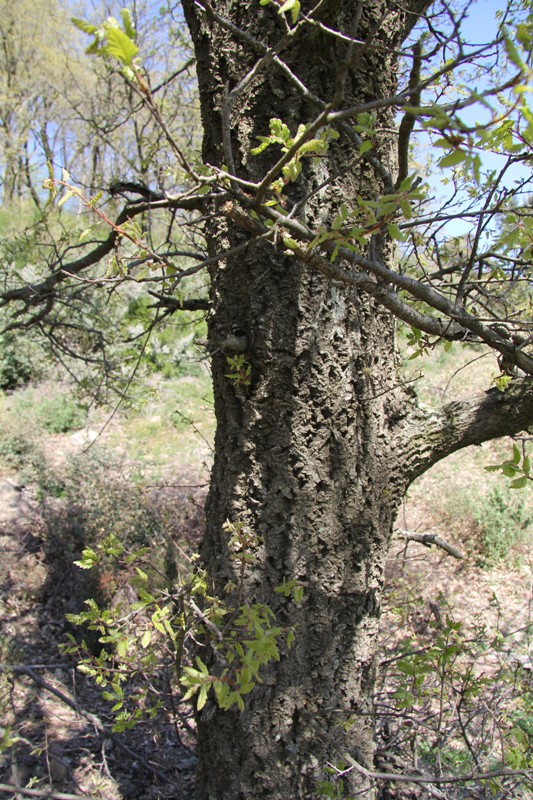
(62,108)
(59,106)
(28,52)
(318,240)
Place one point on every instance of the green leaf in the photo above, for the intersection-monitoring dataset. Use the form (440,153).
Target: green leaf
(512,52)
(93,49)
(201,666)
(88,559)
(292,169)
(405,205)
(395,232)
(453,158)
(519,483)
(65,197)
(509,470)
(523,34)
(279,129)
(266,141)
(293,6)
(84,26)
(291,244)
(295,11)
(365,146)
(127,22)
(404,698)
(122,648)
(337,223)
(365,122)
(316,146)
(120,46)
(84,234)
(86,669)
(202,697)
(502,382)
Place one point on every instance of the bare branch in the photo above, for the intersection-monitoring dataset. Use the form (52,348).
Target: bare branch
(92,718)
(173,304)
(37,293)
(493,337)
(408,122)
(429,539)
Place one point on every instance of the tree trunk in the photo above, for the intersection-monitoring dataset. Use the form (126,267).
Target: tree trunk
(307,452)
(303,460)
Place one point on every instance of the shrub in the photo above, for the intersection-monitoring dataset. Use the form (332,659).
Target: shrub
(24,417)
(21,361)
(20,447)
(503,518)
(47,409)
(60,414)
(454,700)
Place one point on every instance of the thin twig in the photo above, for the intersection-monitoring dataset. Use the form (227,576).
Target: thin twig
(207,622)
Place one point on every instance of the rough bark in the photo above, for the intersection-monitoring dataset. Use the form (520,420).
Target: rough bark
(314,454)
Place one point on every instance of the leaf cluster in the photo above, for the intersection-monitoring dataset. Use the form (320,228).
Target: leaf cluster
(164,622)
(517,468)
(112,41)
(309,148)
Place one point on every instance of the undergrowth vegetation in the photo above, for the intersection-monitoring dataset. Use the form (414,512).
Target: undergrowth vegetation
(454,693)
(505,521)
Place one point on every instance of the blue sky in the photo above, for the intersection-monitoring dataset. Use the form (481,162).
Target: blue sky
(481,24)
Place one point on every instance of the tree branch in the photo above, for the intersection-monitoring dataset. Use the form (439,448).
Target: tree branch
(37,293)
(430,435)
(408,121)
(456,323)
(172,304)
(398,777)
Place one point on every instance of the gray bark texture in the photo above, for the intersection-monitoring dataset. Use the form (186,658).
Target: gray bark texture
(315,454)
